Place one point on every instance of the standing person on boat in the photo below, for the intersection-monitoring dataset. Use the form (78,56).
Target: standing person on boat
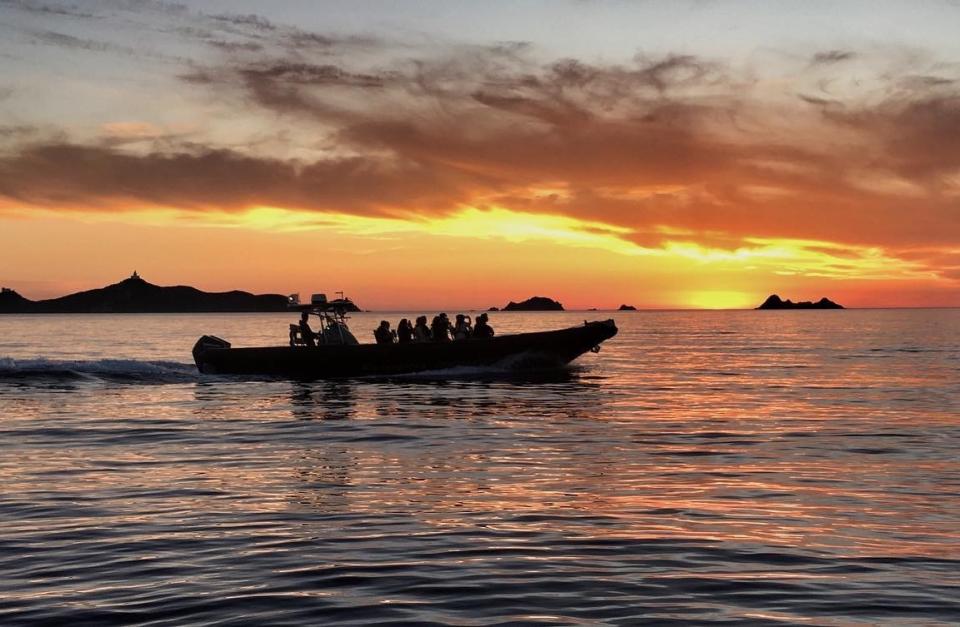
(308,335)
(421,332)
(405,332)
(483,328)
(440,328)
(383,333)
(462,330)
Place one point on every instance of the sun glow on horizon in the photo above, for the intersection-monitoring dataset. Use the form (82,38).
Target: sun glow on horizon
(791,256)
(675,267)
(785,257)
(472,222)
(721,299)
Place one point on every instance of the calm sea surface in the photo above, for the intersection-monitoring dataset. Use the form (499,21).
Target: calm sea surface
(761,467)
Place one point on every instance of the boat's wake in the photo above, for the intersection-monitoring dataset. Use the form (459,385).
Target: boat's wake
(44,372)
(25,371)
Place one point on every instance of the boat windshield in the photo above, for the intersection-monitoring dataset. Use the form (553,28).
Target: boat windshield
(332,316)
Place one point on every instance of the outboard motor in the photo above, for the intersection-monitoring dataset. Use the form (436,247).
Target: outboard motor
(204,344)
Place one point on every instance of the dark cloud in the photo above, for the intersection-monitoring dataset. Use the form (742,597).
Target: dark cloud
(292,88)
(199,76)
(64,40)
(48,9)
(914,83)
(829,57)
(556,112)
(285,87)
(820,102)
(917,135)
(71,42)
(307,74)
(164,7)
(229,32)
(90,177)
(235,46)
(674,71)
(291,38)
(500,78)
(301,39)
(255,22)
(17,131)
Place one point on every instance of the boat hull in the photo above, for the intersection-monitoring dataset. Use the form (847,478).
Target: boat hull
(520,351)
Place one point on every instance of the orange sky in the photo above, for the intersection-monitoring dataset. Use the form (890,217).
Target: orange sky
(421,169)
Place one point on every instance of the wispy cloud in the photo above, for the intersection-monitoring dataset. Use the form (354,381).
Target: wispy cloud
(64,40)
(48,9)
(828,57)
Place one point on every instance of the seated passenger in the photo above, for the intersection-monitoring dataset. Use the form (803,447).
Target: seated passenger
(405,332)
(383,334)
(309,337)
(440,328)
(462,329)
(483,328)
(421,332)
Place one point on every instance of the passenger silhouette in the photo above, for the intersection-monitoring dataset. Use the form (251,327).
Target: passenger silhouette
(462,329)
(383,333)
(308,335)
(405,332)
(421,332)
(483,328)
(440,328)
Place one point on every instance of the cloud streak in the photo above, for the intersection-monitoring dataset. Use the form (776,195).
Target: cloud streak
(82,178)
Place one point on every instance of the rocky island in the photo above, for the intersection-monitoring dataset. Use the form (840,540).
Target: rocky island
(536,303)
(626,308)
(774,302)
(135,295)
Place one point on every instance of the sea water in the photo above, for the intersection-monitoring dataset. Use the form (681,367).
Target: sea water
(768,467)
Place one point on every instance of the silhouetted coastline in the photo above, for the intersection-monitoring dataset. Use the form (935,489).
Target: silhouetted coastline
(135,295)
(774,302)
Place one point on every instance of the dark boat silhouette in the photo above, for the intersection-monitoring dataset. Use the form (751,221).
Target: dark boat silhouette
(521,351)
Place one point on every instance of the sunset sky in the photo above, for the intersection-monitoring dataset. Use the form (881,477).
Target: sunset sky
(427,154)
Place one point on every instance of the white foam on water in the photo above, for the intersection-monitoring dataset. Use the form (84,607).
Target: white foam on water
(99,369)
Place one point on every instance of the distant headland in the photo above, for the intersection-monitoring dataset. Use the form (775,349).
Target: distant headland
(536,303)
(774,302)
(135,295)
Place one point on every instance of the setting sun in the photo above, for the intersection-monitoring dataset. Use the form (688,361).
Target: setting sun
(722,300)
